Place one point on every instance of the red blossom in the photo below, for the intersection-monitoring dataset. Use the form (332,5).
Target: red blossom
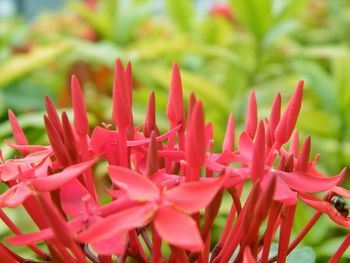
(161,182)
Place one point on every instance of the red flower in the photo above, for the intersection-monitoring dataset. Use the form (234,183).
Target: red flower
(159,205)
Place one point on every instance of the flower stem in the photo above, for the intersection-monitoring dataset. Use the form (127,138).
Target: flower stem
(341,250)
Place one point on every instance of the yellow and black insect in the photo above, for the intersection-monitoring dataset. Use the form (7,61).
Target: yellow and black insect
(340,205)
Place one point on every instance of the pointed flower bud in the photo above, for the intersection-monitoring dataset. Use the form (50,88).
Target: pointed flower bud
(56,143)
(252,116)
(195,139)
(152,156)
(53,116)
(17,132)
(288,121)
(294,145)
(175,108)
(191,102)
(81,123)
(121,106)
(150,120)
(128,79)
(229,141)
(275,114)
(303,158)
(258,161)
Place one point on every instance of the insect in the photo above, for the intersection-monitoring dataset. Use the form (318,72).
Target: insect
(340,205)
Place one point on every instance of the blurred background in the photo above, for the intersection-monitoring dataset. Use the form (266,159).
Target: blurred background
(224,49)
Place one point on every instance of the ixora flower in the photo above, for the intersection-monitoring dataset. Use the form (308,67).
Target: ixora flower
(165,188)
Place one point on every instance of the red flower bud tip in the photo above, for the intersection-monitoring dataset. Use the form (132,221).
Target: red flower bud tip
(252,116)
(288,121)
(121,106)
(258,160)
(81,123)
(17,132)
(150,120)
(229,140)
(152,156)
(195,139)
(69,138)
(175,108)
(128,78)
(191,102)
(294,145)
(53,116)
(56,143)
(275,114)
(303,158)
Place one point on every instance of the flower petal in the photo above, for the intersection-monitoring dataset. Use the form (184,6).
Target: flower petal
(112,245)
(283,193)
(72,195)
(31,238)
(325,207)
(246,146)
(34,148)
(45,234)
(184,234)
(15,196)
(102,137)
(341,191)
(125,220)
(305,182)
(138,187)
(159,138)
(191,197)
(52,182)
(9,170)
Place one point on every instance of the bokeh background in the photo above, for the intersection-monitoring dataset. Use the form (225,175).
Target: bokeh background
(224,49)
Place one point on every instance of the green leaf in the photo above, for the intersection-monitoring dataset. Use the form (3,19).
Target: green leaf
(300,254)
(340,69)
(319,81)
(99,21)
(181,12)
(255,15)
(324,52)
(330,245)
(202,87)
(130,21)
(290,8)
(102,52)
(19,65)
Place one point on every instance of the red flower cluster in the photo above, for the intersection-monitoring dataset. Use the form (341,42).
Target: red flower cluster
(165,188)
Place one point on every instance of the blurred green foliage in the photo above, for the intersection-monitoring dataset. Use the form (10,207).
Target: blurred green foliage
(267,45)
